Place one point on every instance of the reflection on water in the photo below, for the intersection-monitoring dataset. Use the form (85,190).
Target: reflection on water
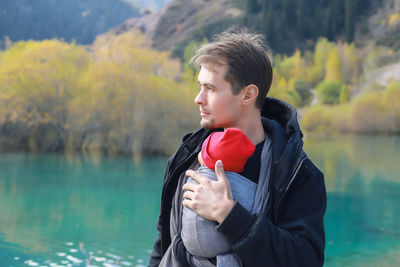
(64,211)
(344,157)
(363,184)
(76,210)
(73,255)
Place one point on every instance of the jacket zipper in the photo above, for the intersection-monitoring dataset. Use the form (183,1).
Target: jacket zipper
(290,182)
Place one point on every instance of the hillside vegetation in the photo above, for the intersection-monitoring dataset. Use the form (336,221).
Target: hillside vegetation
(290,25)
(79,20)
(287,24)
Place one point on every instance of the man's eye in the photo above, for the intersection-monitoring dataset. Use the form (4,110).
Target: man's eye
(207,88)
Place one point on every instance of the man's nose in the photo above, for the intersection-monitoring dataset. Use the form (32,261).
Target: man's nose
(199,98)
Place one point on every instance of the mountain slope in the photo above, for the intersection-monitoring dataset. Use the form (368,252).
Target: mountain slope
(81,20)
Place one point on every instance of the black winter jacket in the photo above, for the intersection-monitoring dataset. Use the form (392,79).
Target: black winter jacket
(292,231)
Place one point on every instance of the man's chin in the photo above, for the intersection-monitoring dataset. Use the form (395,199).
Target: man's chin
(206,124)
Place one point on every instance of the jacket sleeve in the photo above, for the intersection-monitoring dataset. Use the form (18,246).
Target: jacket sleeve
(297,239)
(155,256)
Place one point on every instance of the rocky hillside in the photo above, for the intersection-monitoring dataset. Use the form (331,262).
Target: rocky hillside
(180,22)
(381,33)
(382,27)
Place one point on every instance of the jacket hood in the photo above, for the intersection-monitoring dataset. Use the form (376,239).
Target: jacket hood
(283,113)
(280,123)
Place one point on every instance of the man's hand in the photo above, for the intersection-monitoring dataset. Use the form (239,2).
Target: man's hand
(210,199)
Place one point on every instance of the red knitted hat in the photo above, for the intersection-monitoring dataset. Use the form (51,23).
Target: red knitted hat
(232,146)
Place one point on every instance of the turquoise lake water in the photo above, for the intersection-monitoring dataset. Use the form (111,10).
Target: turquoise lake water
(77,210)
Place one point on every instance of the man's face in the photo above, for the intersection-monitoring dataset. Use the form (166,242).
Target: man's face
(219,108)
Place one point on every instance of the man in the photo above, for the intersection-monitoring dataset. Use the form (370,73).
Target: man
(288,229)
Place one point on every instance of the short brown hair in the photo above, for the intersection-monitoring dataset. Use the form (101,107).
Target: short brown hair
(246,57)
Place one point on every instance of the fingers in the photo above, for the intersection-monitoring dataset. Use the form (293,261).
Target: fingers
(221,176)
(187,203)
(189,187)
(188,195)
(219,171)
(196,176)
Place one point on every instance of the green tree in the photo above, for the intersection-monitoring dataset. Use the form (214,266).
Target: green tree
(190,50)
(392,103)
(333,66)
(335,19)
(303,89)
(328,92)
(344,96)
(268,26)
(349,19)
(321,51)
(252,7)
(351,62)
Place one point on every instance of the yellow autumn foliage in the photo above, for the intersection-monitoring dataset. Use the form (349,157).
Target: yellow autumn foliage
(376,112)
(394,19)
(333,67)
(38,79)
(117,95)
(120,96)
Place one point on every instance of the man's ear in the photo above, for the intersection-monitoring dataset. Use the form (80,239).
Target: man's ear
(250,93)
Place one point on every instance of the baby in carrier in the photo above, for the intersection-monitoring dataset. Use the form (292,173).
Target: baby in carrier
(199,235)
